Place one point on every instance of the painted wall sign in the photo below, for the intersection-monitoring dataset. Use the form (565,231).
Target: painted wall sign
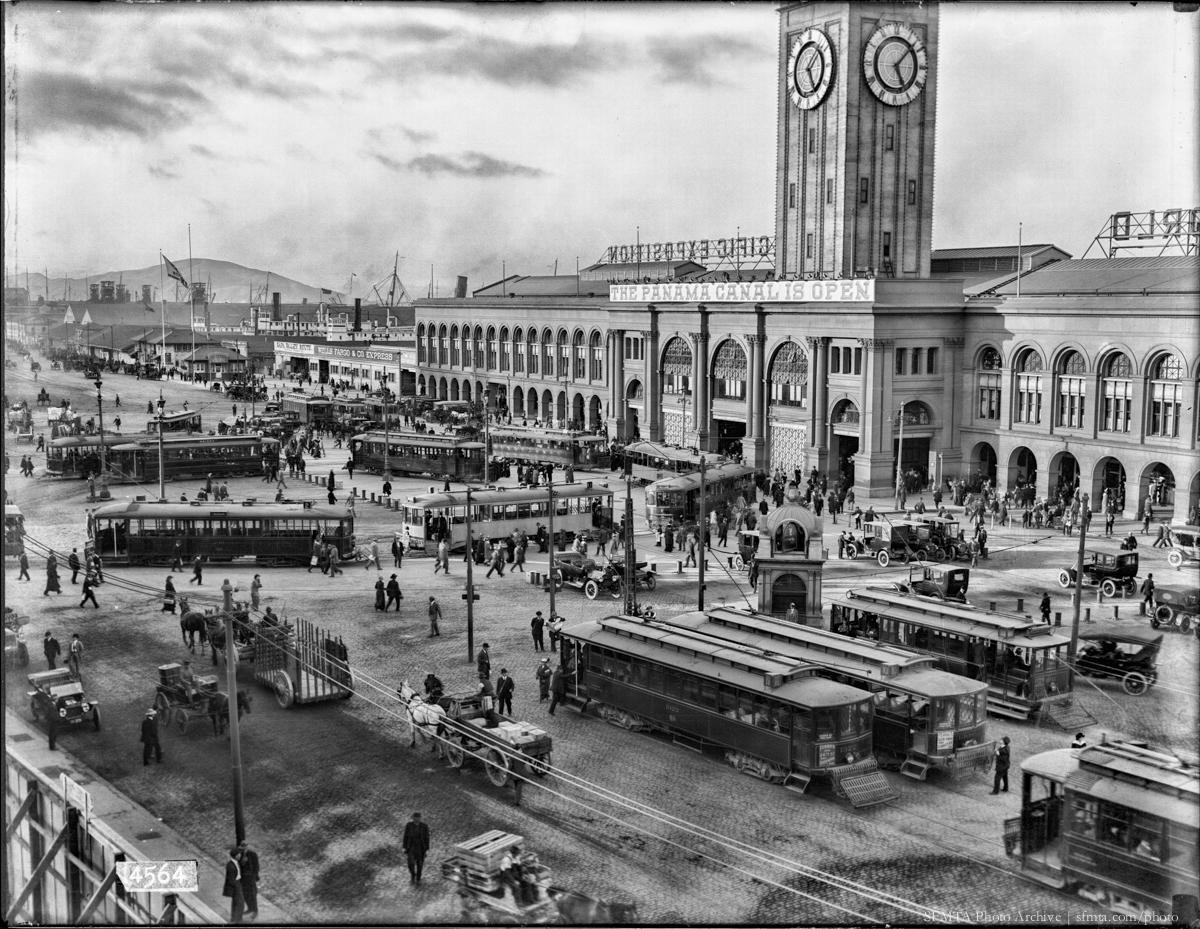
(860,290)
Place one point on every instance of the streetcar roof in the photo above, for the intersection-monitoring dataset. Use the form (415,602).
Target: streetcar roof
(691,480)
(1054,765)
(532,432)
(1184,810)
(660,646)
(670,453)
(417,438)
(190,441)
(154,509)
(178,416)
(958,618)
(11,510)
(84,441)
(452,498)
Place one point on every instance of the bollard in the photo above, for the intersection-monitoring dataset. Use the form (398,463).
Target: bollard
(1116,612)
(1020,604)
(1087,614)
(1058,618)
(1142,608)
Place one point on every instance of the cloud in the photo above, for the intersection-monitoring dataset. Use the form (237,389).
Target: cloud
(470,164)
(299,152)
(416,136)
(390,163)
(161,170)
(51,102)
(203,151)
(688,59)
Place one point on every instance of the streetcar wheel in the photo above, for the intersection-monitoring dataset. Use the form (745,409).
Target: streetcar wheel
(738,563)
(591,589)
(651,581)
(884,559)
(282,685)
(455,755)
(539,766)
(1064,578)
(1175,559)
(161,704)
(496,766)
(181,721)
(96,718)
(1135,684)
(1108,587)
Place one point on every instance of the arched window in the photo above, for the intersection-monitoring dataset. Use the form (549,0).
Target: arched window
(421,386)
(466,346)
(1029,387)
(988,381)
(547,353)
(1072,390)
(729,371)
(533,350)
(454,355)
(1118,393)
(789,376)
(579,355)
(421,357)
(917,413)
(677,367)
(491,348)
(433,356)
(477,345)
(1166,396)
(518,349)
(504,348)
(564,354)
(596,351)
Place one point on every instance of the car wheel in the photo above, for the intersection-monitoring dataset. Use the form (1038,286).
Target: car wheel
(651,581)
(904,558)
(921,555)
(852,552)
(1174,558)
(938,554)
(1135,684)
(1164,614)
(1185,625)
(591,589)
(1064,578)
(1108,588)
(884,559)
(618,589)
(739,563)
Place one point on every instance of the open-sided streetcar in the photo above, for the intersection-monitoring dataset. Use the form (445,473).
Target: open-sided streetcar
(776,717)
(530,445)
(145,532)
(79,455)
(675,501)
(443,456)
(1118,823)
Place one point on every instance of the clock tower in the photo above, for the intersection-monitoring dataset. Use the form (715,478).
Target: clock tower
(857,108)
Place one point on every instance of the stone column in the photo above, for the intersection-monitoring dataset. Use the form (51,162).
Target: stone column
(652,406)
(955,403)
(875,463)
(818,438)
(617,381)
(756,412)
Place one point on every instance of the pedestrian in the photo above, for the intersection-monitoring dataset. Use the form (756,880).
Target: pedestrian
(331,554)
(394,594)
(537,624)
(51,649)
(380,594)
(75,655)
(443,557)
(373,556)
(396,551)
(233,887)
(332,499)
(435,614)
(519,557)
(1045,607)
(497,564)
(331,482)
(555,625)
(74,565)
(1079,741)
(97,569)
(197,572)
(483,661)
(52,585)
(168,603)
(177,562)
(1002,759)
(504,692)
(416,844)
(543,676)
(89,590)
(23,561)
(558,688)
(1148,593)
(255,588)
(1161,541)
(150,743)
(248,860)
(793,615)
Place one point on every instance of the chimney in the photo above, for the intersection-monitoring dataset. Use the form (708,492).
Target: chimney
(275,311)
(460,288)
(358,314)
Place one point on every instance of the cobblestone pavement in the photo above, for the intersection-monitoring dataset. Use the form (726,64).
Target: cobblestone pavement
(329,786)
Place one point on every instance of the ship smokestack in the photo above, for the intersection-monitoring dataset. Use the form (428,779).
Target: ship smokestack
(275,310)
(358,314)
(460,288)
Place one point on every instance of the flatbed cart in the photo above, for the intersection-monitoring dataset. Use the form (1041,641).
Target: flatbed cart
(500,747)
(301,663)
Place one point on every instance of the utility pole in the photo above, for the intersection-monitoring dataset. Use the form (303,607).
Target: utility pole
(900,459)
(470,595)
(487,439)
(630,555)
(162,486)
(235,736)
(1073,647)
(100,406)
(702,528)
(550,559)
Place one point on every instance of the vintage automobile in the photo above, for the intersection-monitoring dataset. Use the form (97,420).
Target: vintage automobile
(1130,656)
(1185,547)
(747,547)
(938,581)
(59,698)
(943,532)
(1104,569)
(571,569)
(1177,606)
(901,541)
(612,581)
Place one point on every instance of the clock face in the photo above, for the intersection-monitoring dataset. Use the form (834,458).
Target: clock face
(895,64)
(810,68)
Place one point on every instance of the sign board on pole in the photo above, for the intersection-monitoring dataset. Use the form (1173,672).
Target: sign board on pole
(75,795)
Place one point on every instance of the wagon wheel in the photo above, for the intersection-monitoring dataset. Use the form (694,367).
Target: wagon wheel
(181,721)
(651,581)
(455,755)
(1064,578)
(282,685)
(591,589)
(496,766)
(884,558)
(1175,559)
(1108,587)
(539,766)
(1135,684)
(161,705)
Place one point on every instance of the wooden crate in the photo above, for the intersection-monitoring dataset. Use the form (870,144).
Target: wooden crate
(484,852)
(168,674)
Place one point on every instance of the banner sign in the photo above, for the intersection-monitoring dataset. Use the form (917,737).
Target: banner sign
(346,353)
(859,290)
(694,250)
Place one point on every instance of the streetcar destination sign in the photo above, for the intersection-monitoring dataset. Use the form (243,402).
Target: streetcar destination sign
(858,290)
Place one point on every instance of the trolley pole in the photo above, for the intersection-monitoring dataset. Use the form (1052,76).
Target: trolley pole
(470,584)
(630,555)
(702,529)
(1074,646)
(235,736)
(899,459)
(550,560)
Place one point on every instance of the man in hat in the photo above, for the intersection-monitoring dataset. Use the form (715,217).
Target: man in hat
(75,565)
(543,676)
(537,624)
(187,677)
(89,590)
(248,861)
(150,743)
(483,661)
(393,594)
(435,614)
(555,626)
(416,844)
(233,887)
(504,692)
(51,649)
(1002,760)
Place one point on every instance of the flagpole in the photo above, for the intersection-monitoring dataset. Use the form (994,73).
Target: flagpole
(162,292)
(192,303)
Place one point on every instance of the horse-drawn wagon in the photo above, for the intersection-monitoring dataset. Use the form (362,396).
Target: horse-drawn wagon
(181,705)
(301,663)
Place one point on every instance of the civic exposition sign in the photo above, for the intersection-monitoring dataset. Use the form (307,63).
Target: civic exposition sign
(846,291)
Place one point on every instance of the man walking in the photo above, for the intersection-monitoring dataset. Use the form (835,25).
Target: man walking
(537,624)
(504,692)
(248,861)
(233,887)
(497,562)
(443,558)
(51,649)
(52,584)
(255,587)
(150,743)
(23,561)
(393,594)
(1045,607)
(197,572)
(483,661)
(416,844)
(89,591)
(1148,594)
(374,557)
(75,656)
(177,562)
(397,551)
(435,614)
(543,676)
(558,688)
(1002,759)
(74,564)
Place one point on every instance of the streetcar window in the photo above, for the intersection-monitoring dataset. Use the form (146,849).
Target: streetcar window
(708,695)
(944,715)
(673,684)
(621,669)
(1084,817)
(1182,842)
(966,710)
(1146,839)
(727,701)
(824,723)
(641,672)
(1114,825)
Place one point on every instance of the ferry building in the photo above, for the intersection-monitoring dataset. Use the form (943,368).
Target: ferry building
(845,341)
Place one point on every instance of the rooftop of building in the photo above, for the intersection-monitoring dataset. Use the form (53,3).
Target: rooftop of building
(995,251)
(1164,274)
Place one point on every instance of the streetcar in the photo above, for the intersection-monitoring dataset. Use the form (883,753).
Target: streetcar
(14,531)
(925,718)
(185,421)
(1117,823)
(496,514)
(776,717)
(308,411)
(675,501)
(562,448)
(192,457)
(79,455)
(1023,662)
(418,453)
(649,461)
(145,531)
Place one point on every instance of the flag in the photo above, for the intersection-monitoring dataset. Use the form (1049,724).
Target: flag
(325,292)
(173,271)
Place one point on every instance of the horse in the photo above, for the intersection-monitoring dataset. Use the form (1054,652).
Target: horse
(218,706)
(422,717)
(190,623)
(576,909)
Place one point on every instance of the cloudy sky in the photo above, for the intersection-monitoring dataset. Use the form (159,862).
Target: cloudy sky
(318,140)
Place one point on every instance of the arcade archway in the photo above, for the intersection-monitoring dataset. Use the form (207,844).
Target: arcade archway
(532,400)
(1108,485)
(454,389)
(595,417)
(577,407)
(518,402)
(787,589)
(983,462)
(1157,485)
(1022,468)
(1064,470)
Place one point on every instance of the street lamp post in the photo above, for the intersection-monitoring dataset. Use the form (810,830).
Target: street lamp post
(235,738)
(550,559)
(100,408)
(470,596)
(487,439)
(702,530)
(900,459)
